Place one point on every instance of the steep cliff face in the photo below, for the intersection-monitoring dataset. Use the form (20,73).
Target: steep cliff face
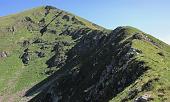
(60,57)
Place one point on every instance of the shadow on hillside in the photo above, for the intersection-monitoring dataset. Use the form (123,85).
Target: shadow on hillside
(39,87)
(44,84)
(71,62)
(129,71)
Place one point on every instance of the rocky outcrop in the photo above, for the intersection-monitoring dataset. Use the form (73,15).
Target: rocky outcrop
(143,98)
(66,17)
(47,9)
(26,56)
(3,54)
(76,21)
(40,54)
(60,56)
(26,43)
(142,36)
(28,19)
(44,28)
(106,67)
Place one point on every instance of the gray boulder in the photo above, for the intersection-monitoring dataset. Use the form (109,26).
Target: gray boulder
(25,58)
(144,98)
(3,54)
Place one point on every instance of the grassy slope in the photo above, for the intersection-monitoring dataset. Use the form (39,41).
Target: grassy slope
(159,67)
(14,76)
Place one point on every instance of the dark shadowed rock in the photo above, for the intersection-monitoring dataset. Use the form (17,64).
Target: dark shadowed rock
(26,50)
(25,58)
(38,40)
(161,54)
(28,19)
(66,17)
(43,30)
(76,21)
(41,54)
(50,7)
(25,43)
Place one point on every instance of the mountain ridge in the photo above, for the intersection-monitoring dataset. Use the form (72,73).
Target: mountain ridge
(60,57)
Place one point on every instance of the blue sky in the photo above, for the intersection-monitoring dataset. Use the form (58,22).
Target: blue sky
(151,16)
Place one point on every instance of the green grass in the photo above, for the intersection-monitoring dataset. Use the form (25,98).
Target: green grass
(159,67)
(14,75)
(32,73)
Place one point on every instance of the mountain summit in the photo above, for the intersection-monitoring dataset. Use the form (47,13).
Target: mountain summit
(49,55)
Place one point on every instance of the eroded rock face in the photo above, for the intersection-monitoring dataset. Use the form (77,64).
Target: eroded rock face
(106,67)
